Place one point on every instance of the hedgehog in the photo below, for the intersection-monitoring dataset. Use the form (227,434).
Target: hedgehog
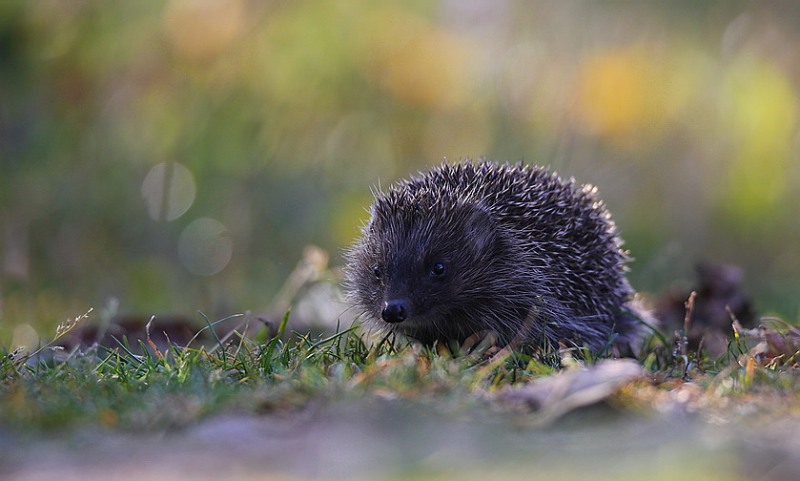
(477,248)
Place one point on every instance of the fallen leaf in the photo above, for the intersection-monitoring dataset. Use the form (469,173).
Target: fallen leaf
(556,395)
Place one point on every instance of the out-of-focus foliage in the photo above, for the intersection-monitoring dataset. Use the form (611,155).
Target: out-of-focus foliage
(176,156)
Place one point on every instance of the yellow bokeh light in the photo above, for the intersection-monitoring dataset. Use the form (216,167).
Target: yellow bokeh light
(416,61)
(627,95)
(759,110)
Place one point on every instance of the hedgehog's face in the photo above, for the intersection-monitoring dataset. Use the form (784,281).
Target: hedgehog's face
(418,272)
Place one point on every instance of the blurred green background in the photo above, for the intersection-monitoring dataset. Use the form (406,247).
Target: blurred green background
(168,157)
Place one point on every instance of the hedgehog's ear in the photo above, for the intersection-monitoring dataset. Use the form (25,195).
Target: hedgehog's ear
(481,231)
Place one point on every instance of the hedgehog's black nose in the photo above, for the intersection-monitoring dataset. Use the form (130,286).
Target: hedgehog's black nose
(395,311)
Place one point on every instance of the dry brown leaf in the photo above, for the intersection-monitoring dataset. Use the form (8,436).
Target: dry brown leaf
(554,396)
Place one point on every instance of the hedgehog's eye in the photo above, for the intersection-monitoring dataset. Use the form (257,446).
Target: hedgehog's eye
(376,271)
(438,269)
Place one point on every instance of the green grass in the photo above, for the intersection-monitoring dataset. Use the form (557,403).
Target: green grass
(50,389)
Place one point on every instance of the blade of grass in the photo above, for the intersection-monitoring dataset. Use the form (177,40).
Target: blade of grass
(277,338)
(210,325)
(127,351)
(284,322)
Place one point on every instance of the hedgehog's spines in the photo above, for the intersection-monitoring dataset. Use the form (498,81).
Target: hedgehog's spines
(517,241)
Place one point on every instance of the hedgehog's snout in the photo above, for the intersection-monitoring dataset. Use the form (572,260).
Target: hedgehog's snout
(395,310)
